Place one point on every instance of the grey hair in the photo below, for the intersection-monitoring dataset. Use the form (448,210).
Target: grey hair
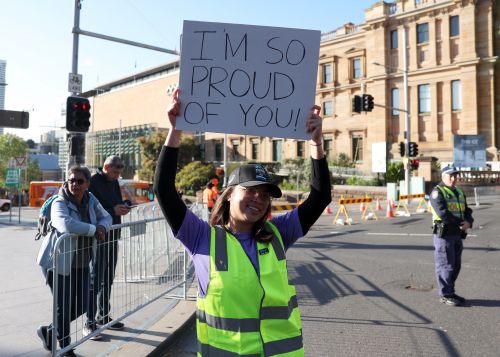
(113,161)
(80,169)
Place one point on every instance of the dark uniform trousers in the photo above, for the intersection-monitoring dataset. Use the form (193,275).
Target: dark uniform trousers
(448,261)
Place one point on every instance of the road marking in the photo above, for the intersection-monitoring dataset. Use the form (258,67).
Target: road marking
(407,234)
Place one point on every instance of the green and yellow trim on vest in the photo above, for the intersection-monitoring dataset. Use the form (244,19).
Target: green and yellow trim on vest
(243,313)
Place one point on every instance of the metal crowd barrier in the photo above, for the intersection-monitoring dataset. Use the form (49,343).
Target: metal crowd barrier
(151,264)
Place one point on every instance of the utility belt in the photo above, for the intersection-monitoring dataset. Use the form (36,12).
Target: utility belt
(441,229)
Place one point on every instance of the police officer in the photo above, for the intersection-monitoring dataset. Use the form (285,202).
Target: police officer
(452,218)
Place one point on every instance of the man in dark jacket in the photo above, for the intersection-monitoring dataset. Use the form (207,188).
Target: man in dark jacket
(104,185)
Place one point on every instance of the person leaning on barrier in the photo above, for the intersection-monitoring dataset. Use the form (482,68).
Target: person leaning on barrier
(452,218)
(75,211)
(246,305)
(104,185)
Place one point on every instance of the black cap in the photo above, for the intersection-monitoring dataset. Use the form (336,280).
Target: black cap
(253,175)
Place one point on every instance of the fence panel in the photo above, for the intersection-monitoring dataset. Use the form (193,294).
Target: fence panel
(151,264)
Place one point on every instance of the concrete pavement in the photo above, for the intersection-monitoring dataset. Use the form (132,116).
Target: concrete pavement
(26,303)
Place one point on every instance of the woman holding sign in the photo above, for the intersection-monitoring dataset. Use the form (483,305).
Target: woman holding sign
(246,305)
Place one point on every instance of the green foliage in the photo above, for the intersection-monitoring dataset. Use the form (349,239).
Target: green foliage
(10,146)
(299,172)
(395,172)
(194,176)
(151,147)
(343,160)
(358,181)
(34,173)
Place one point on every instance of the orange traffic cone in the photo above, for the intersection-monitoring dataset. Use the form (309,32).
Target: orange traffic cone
(328,210)
(393,204)
(362,207)
(389,213)
(378,207)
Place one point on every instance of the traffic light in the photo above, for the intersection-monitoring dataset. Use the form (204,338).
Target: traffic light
(402,149)
(413,149)
(368,103)
(77,114)
(356,104)
(414,163)
(77,145)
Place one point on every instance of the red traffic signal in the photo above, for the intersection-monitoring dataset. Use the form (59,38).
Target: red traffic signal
(414,164)
(77,114)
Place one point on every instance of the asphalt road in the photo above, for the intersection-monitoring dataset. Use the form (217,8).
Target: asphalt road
(369,290)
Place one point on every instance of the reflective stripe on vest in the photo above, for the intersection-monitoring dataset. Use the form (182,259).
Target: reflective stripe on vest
(243,314)
(454,204)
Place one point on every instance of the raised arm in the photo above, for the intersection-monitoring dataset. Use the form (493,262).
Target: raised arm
(320,195)
(171,204)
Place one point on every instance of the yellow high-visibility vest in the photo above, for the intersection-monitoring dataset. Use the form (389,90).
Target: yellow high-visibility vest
(245,313)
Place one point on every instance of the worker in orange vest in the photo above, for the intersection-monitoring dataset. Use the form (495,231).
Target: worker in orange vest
(209,196)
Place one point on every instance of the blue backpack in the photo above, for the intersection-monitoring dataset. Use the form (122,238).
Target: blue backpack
(44,222)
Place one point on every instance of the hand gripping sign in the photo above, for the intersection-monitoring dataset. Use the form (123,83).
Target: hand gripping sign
(244,79)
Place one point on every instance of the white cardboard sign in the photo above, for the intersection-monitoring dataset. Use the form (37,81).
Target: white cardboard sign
(245,79)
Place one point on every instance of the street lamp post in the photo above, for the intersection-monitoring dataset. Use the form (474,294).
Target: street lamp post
(406,110)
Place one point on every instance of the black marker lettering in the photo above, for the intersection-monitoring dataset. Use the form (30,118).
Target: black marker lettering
(301,51)
(277,119)
(245,112)
(233,53)
(193,81)
(270,114)
(234,82)
(211,83)
(268,86)
(277,50)
(207,111)
(202,44)
(297,120)
(291,85)
(189,114)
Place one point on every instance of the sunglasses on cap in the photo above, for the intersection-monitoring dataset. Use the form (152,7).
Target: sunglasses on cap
(77,181)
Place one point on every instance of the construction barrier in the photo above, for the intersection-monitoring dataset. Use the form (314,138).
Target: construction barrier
(401,201)
(353,200)
(283,207)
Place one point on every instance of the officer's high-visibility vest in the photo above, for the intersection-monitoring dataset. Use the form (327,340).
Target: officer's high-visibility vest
(455,204)
(243,313)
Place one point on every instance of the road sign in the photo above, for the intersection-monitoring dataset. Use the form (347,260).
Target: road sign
(12,178)
(75,83)
(20,162)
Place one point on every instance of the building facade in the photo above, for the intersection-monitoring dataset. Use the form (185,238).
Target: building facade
(452,49)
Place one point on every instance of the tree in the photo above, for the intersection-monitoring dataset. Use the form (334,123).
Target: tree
(343,160)
(151,147)
(395,172)
(194,176)
(10,146)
